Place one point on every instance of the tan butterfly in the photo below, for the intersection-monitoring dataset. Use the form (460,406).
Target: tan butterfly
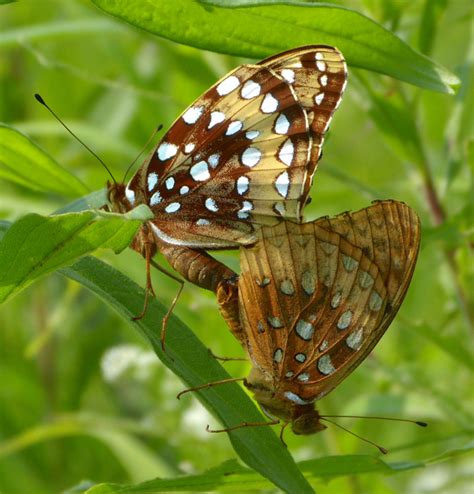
(313,299)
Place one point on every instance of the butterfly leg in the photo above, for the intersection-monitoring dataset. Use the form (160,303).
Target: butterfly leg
(147,254)
(244,424)
(210,385)
(228,300)
(226,359)
(148,249)
(164,322)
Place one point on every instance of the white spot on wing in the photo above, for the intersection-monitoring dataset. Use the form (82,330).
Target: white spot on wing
(278,355)
(286,287)
(189,148)
(217,117)
(288,75)
(354,340)
(152,180)
(250,90)
(325,365)
(211,204)
(279,207)
(286,153)
(155,199)
(130,195)
(192,115)
(308,282)
(275,322)
(319,56)
(282,124)
(304,330)
(324,346)
(234,127)
(200,171)
(173,207)
(184,190)
(282,184)
(242,185)
(336,300)
(213,160)
(170,183)
(252,134)
(319,98)
(269,104)
(244,211)
(321,66)
(295,398)
(345,320)
(375,302)
(251,156)
(202,222)
(349,263)
(227,85)
(324,80)
(300,357)
(166,151)
(303,377)
(365,279)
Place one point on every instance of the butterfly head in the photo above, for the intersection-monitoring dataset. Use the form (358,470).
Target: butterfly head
(117,198)
(306,420)
(286,406)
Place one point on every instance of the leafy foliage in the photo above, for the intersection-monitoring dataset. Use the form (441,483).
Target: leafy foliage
(83,397)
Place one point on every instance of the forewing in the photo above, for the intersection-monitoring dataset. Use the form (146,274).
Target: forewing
(318,91)
(345,295)
(240,156)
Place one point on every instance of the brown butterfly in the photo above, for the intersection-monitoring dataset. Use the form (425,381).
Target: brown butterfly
(241,156)
(312,301)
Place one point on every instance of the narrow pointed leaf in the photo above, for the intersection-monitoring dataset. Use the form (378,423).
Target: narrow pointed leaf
(187,357)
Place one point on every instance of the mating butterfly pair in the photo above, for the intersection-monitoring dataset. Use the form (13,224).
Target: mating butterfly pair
(312,299)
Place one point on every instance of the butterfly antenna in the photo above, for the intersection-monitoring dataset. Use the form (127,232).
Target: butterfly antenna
(380,448)
(416,422)
(142,151)
(42,101)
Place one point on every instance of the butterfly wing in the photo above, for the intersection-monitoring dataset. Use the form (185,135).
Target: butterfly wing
(244,153)
(316,297)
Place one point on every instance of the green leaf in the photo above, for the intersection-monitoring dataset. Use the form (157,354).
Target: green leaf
(394,119)
(23,162)
(231,477)
(139,460)
(432,13)
(37,31)
(37,245)
(270,27)
(190,360)
(94,200)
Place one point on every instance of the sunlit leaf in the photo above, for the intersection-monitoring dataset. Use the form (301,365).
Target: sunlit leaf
(263,28)
(23,162)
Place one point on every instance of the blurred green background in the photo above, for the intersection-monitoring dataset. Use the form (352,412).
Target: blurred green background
(82,397)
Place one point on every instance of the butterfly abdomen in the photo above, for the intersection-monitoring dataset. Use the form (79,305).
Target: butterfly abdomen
(197,266)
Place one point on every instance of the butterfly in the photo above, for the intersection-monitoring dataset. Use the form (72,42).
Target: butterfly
(241,156)
(312,301)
